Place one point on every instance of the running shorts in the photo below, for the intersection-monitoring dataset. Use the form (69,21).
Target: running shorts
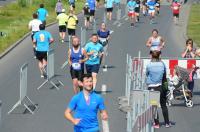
(92,12)
(76,74)
(40,55)
(151,11)
(131,14)
(62,28)
(71,32)
(92,68)
(109,9)
(176,15)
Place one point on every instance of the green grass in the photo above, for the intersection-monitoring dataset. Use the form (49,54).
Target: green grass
(14,19)
(193,29)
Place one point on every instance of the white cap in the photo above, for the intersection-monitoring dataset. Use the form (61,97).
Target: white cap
(63,10)
(86,4)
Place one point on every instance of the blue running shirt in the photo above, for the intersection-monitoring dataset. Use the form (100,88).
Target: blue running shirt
(42,39)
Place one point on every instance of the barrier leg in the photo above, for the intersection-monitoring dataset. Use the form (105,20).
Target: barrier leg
(61,82)
(15,106)
(31,102)
(54,85)
(28,109)
(42,84)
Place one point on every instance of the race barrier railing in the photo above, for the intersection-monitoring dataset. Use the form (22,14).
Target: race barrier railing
(94,26)
(50,71)
(0,113)
(83,36)
(138,102)
(23,91)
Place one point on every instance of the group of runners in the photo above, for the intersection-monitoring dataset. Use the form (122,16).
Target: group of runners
(150,8)
(89,58)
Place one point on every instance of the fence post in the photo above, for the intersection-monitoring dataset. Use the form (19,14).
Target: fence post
(23,90)
(83,36)
(50,71)
(94,26)
(0,113)
(104,17)
(118,14)
(134,75)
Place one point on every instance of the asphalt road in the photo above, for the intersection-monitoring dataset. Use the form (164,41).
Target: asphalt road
(4,2)
(49,117)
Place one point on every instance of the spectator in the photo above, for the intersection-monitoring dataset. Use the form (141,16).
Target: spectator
(156,75)
(189,51)
(197,54)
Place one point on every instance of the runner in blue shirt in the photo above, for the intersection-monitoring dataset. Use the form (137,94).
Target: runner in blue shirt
(151,10)
(42,39)
(95,52)
(131,11)
(109,8)
(85,106)
(92,6)
(42,14)
(117,3)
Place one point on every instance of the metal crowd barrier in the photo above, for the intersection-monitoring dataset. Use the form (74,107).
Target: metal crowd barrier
(94,27)
(23,91)
(138,102)
(50,71)
(0,113)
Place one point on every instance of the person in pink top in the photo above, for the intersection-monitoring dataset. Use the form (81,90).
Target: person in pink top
(176,10)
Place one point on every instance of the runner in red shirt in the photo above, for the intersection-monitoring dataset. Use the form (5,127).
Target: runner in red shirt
(176,9)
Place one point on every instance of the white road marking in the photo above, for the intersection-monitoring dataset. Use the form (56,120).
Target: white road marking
(103,88)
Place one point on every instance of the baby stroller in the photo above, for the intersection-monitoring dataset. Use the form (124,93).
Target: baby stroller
(177,86)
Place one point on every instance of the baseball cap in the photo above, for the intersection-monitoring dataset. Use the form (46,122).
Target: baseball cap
(63,10)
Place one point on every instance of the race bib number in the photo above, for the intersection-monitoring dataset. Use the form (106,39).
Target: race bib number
(76,66)
(151,7)
(175,7)
(42,38)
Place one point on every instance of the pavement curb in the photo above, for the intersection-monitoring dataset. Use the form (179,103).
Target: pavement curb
(19,41)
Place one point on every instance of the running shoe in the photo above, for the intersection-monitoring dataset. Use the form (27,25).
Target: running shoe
(168,125)
(156,126)
(42,76)
(132,24)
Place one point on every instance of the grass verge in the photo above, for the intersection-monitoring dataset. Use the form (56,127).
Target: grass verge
(14,19)
(193,28)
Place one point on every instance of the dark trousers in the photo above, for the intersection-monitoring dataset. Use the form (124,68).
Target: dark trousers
(163,100)
(191,85)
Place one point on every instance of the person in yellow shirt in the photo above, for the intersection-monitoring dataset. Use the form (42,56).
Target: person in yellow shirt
(72,22)
(62,19)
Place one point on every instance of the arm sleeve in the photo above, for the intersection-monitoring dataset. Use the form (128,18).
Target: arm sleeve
(73,102)
(34,38)
(101,50)
(101,104)
(86,48)
(50,36)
